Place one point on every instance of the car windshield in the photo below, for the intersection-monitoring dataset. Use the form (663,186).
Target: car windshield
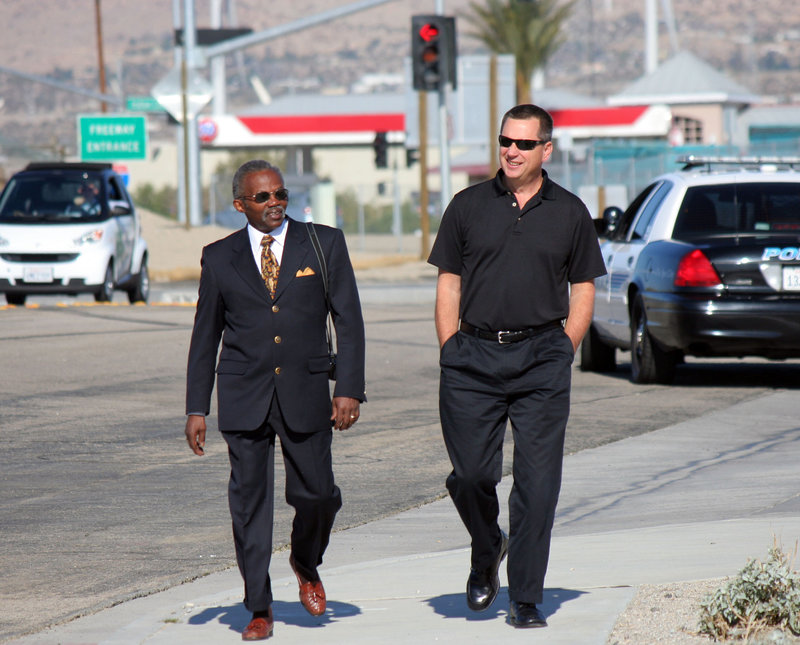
(61,198)
(746,209)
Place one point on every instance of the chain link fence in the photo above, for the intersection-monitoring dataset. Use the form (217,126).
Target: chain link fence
(630,167)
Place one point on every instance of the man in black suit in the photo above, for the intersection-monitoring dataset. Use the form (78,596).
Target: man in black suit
(262,294)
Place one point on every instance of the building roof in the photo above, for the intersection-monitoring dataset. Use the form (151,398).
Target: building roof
(612,121)
(684,79)
(310,119)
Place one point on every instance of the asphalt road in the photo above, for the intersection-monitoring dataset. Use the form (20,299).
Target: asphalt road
(101,500)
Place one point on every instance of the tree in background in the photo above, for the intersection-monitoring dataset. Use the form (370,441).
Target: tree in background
(530,30)
(161,201)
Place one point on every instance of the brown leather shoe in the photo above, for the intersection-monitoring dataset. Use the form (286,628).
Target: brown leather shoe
(259,629)
(312,593)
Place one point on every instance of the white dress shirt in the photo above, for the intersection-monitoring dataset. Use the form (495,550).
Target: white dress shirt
(279,237)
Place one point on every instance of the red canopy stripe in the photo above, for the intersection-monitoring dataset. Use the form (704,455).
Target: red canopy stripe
(307,123)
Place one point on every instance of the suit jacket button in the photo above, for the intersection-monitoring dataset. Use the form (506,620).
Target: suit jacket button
(277,339)
(275,309)
(277,370)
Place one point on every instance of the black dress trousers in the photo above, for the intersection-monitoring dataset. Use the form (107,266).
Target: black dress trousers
(483,385)
(310,489)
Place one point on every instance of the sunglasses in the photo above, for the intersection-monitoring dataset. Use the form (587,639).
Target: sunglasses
(522,144)
(282,194)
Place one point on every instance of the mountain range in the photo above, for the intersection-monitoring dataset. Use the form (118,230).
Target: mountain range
(603,50)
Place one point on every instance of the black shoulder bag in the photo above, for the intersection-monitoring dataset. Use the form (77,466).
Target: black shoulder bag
(312,233)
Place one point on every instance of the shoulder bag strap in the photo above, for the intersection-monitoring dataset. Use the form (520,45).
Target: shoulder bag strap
(312,233)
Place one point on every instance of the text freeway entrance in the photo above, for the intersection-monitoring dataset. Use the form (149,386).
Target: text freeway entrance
(112,138)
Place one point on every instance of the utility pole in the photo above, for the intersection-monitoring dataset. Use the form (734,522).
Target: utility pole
(650,37)
(180,144)
(101,65)
(190,143)
(218,78)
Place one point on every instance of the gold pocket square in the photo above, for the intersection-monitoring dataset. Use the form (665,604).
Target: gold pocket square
(305,272)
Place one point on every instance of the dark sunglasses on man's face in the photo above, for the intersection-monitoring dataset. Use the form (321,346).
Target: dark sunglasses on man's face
(522,144)
(282,194)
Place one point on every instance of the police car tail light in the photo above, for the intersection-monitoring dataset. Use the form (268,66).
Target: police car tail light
(696,270)
(91,237)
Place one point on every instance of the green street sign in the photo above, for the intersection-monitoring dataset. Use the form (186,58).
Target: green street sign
(112,138)
(143,104)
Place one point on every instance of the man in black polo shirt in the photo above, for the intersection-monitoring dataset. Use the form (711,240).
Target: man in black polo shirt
(517,257)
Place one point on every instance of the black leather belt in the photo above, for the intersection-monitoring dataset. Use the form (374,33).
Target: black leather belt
(504,337)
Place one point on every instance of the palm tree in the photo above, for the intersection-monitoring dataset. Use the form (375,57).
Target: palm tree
(530,30)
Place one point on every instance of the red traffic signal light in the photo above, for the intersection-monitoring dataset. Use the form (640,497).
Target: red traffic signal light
(428,32)
(433,52)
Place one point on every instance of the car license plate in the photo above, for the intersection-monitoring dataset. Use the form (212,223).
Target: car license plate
(38,274)
(791,278)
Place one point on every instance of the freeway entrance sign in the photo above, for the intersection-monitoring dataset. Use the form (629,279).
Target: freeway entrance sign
(112,138)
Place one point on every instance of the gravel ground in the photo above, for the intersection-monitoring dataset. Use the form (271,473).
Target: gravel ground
(668,614)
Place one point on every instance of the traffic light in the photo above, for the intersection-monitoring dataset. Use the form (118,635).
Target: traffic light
(381,147)
(433,52)
(412,156)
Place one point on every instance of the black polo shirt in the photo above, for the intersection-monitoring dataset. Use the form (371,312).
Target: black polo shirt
(515,265)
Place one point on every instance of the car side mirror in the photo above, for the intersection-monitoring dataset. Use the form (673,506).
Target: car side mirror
(610,220)
(121,209)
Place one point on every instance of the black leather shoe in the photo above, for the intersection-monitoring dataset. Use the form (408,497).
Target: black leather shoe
(483,586)
(525,614)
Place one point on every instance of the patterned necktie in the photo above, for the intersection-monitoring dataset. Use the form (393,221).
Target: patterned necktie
(269,265)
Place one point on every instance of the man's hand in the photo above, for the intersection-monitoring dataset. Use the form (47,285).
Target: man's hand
(196,433)
(344,412)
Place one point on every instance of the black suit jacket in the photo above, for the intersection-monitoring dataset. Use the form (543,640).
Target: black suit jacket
(275,347)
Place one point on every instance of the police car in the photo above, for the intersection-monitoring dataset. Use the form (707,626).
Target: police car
(70,228)
(704,262)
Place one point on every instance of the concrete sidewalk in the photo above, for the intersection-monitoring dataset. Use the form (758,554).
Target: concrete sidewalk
(688,502)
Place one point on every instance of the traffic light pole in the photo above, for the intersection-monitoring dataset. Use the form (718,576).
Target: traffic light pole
(444,139)
(234,44)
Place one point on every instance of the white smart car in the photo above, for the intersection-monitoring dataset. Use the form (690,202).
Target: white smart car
(70,228)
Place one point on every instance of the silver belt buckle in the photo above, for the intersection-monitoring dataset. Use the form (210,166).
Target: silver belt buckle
(500,338)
